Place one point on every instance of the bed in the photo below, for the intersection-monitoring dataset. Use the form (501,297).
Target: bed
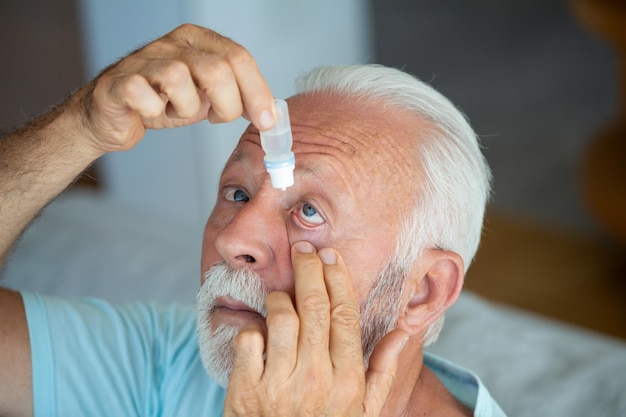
(86,244)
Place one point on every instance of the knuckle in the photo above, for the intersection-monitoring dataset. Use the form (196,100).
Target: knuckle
(218,71)
(346,315)
(216,76)
(186,29)
(316,303)
(158,47)
(283,320)
(174,73)
(247,337)
(177,69)
(228,113)
(131,90)
(131,85)
(237,55)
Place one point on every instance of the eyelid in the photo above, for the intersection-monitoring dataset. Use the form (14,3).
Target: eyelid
(228,192)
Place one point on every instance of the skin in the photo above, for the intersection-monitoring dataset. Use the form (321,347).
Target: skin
(189,75)
(330,169)
(337,143)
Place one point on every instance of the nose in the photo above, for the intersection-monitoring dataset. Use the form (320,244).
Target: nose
(256,236)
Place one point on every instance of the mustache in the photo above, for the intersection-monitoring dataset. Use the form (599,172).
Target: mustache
(379,311)
(241,284)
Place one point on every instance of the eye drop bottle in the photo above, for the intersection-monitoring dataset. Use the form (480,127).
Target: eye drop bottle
(276,142)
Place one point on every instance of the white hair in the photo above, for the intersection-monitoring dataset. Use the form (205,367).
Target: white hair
(449,204)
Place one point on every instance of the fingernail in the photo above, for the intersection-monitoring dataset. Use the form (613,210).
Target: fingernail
(328,256)
(266,120)
(304,247)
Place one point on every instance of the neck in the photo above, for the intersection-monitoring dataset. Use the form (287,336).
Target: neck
(417,391)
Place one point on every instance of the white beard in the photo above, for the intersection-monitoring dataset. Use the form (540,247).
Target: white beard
(216,345)
(379,313)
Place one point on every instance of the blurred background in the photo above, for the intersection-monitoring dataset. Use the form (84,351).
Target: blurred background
(540,81)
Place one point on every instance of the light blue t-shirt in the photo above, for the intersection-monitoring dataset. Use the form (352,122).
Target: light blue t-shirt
(465,386)
(92,358)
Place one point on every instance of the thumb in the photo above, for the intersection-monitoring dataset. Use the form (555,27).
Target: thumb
(382,371)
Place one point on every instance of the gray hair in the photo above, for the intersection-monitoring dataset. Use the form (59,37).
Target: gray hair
(450,202)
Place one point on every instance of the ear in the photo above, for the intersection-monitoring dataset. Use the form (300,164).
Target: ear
(433,285)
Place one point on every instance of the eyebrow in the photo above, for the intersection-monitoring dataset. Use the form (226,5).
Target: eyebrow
(237,156)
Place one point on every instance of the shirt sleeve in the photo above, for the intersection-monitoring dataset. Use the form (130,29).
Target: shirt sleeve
(92,358)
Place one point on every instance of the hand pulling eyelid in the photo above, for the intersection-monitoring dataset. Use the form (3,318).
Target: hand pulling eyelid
(276,142)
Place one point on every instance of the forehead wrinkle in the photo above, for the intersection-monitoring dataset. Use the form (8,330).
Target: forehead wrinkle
(301,149)
(378,146)
(381,155)
(308,161)
(313,164)
(325,164)
(343,145)
(382,136)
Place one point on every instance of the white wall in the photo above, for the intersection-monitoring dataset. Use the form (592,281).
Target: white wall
(175,171)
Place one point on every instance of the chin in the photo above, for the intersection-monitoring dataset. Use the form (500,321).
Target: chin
(228,300)
(217,328)
(215,348)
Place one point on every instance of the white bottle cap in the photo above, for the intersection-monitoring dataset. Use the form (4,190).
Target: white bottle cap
(281,177)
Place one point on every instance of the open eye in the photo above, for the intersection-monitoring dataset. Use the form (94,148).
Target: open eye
(236,195)
(309,214)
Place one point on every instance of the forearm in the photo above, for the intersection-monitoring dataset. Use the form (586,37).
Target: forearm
(37,162)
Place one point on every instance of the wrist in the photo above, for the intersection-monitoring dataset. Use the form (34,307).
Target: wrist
(74,120)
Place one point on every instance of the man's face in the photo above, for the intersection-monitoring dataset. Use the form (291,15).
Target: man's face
(353,167)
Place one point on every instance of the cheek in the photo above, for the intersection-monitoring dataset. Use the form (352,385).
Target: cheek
(365,260)
(207,257)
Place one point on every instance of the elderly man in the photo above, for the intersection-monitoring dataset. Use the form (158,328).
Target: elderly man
(316,300)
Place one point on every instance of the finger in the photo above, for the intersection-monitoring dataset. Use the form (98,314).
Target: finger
(247,371)
(248,348)
(200,85)
(312,303)
(255,94)
(215,76)
(217,80)
(382,371)
(199,37)
(134,92)
(345,329)
(282,336)
(172,78)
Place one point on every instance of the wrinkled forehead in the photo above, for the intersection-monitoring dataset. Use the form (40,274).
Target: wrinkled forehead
(365,139)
